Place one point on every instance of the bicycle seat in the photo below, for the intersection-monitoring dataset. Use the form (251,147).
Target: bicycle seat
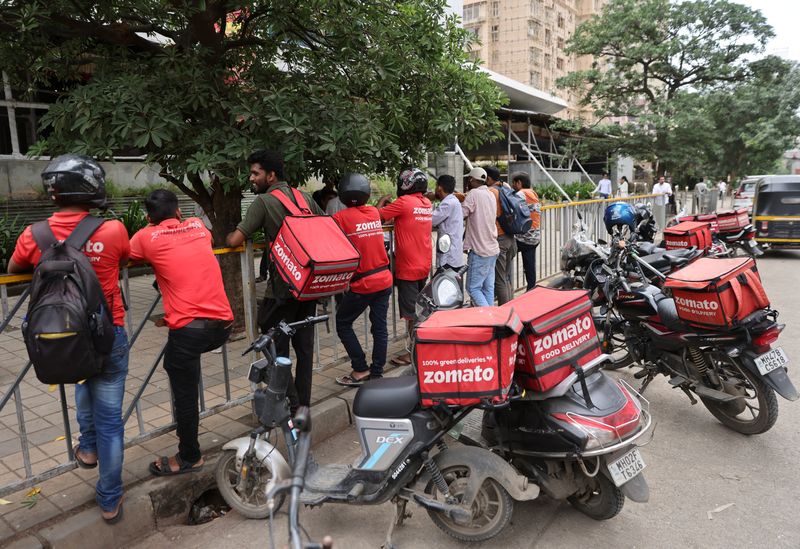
(390,397)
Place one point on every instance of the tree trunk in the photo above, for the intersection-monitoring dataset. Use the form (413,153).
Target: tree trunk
(228,214)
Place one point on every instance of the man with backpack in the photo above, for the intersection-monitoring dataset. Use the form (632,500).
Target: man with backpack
(196,309)
(76,184)
(503,287)
(413,250)
(267,212)
(370,287)
(529,241)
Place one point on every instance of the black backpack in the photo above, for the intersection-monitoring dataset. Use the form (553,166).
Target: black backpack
(515,217)
(69,331)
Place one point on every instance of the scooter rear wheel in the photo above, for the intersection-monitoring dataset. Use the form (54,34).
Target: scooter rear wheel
(491,510)
(601,500)
(250,500)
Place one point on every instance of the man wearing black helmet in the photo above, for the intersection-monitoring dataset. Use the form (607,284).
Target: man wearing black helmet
(267,213)
(76,184)
(370,287)
(413,250)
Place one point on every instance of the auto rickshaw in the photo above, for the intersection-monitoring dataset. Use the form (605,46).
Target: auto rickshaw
(776,211)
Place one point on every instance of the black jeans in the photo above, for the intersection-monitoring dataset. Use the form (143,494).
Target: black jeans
(349,310)
(182,363)
(270,313)
(528,253)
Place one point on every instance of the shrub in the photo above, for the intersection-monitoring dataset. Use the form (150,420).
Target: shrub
(10,229)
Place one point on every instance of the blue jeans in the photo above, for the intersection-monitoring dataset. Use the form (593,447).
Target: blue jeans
(350,309)
(480,279)
(99,411)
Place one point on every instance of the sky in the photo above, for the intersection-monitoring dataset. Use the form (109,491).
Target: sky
(783,15)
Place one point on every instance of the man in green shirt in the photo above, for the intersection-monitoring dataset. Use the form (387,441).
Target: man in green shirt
(266,212)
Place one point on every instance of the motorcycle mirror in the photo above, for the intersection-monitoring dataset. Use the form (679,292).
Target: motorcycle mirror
(443,244)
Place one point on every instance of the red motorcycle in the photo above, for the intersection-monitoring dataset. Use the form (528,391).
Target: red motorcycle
(731,228)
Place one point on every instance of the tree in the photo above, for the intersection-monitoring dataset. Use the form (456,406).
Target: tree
(197,85)
(755,121)
(650,56)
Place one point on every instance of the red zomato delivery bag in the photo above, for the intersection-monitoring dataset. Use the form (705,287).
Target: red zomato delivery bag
(688,234)
(466,355)
(733,220)
(558,336)
(311,252)
(717,293)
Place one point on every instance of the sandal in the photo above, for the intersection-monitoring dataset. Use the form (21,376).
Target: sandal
(161,468)
(117,517)
(82,463)
(401,360)
(350,381)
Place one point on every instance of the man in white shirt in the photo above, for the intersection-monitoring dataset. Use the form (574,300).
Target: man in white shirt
(663,190)
(603,187)
(722,188)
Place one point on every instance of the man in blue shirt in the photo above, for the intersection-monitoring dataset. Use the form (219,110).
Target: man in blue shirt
(448,219)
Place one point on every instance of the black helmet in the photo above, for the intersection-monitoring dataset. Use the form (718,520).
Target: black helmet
(75,179)
(354,189)
(412,180)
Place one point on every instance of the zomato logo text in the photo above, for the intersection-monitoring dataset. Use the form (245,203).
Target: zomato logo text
(565,334)
(703,305)
(470,375)
(286,260)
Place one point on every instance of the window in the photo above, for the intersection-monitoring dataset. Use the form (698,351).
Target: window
(535,57)
(560,43)
(548,61)
(471,12)
(559,64)
(476,31)
(495,33)
(535,79)
(548,37)
(495,9)
(534,29)
(560,21)
(536,8)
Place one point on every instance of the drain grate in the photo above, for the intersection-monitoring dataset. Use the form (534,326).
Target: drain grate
(207,507)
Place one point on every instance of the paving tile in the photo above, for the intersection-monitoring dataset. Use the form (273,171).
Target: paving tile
(22,518)
(72,497)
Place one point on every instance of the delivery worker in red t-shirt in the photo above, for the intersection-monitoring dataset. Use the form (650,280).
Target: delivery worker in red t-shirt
(76,184)
(413,251)
(196,309)
(371,286)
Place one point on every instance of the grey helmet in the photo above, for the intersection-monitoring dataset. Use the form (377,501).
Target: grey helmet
(354,189)
(75,179)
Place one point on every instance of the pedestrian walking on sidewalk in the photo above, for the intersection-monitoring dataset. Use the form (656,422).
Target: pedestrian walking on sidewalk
(77,184)
(370,287)
(197,313)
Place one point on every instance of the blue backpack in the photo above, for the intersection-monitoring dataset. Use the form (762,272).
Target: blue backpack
(515,217)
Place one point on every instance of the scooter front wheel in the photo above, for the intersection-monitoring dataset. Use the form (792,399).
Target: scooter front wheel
(248,496)
(491,510)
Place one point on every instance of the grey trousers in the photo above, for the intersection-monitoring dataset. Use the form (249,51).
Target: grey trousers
(503,269)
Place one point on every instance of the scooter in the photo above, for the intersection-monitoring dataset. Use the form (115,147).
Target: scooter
(468,492)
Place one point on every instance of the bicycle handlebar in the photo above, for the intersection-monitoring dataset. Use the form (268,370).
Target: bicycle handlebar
(259,344)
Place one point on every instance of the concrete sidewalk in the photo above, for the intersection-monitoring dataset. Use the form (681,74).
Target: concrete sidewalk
(73,490)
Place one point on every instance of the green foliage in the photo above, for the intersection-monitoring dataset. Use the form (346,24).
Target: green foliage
(577,190)
(134,218)
(10,229)
(337,86)
(654,60)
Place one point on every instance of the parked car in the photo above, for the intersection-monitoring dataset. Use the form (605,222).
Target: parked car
(743,197)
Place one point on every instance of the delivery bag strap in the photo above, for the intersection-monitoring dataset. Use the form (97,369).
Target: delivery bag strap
(371,272)
(751,280)
(301,208)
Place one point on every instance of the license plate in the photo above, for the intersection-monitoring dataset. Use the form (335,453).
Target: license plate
(771,360)
(625,468)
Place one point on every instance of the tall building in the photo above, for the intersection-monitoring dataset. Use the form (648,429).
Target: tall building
(525,40)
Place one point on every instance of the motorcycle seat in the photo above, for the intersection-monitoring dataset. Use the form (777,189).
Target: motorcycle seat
(649,248)
(390,397)
(668,313)
(669,259)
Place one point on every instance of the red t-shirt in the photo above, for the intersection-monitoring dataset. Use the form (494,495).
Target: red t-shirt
(187,272)
(106,249)
(362,225)
(412,235)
